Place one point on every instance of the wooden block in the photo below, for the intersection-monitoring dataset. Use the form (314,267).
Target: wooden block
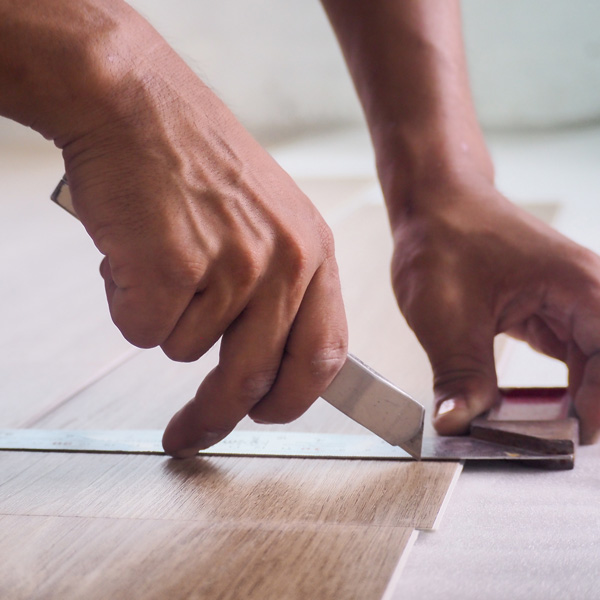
(66,558)
(532,419)
(531,404)
(545,437)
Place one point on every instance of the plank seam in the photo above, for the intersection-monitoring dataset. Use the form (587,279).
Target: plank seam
(107,369)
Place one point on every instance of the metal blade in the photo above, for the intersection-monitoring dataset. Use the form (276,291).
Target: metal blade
(260,443)
(369,399)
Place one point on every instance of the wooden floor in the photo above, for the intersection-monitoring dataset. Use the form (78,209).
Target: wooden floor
(100,526)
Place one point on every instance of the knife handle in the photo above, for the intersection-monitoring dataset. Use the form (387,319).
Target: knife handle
(377,404)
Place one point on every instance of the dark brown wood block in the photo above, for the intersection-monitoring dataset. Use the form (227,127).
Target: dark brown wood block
(545,437)
(534,419)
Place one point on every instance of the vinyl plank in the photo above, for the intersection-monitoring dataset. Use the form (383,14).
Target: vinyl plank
(216,489)
(142,393)
(165,559)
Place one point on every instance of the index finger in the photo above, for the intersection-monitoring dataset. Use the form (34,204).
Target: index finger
(249,359)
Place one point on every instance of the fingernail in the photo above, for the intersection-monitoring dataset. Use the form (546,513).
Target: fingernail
(261,422)
(206,441)
(450,405)
(186,453)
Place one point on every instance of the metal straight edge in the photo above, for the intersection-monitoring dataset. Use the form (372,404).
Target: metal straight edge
(259,444)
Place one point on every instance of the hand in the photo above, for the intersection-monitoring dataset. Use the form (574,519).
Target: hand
(474,266)
(204,237)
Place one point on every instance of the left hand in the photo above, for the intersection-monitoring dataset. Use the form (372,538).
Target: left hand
(468,265)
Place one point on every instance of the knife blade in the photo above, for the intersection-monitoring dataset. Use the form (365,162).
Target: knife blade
(357,391)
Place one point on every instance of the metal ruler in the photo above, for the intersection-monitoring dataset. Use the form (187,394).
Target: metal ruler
(262,443)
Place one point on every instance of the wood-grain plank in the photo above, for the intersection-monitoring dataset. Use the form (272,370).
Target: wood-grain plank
(274,490)
(206,560)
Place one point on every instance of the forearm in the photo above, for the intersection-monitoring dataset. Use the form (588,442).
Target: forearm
(56,60)
(407,62)
(67,68)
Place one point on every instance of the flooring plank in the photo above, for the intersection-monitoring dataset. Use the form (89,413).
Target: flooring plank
(205,560)
(216,489)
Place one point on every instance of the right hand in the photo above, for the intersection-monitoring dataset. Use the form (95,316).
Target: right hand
(204,237)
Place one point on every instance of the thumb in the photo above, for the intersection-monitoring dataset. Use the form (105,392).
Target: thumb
(452,319)
(464,376)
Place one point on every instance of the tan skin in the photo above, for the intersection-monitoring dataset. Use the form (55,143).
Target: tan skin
(204,236)
(467,263)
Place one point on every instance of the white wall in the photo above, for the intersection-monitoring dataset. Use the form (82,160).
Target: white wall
(534,63)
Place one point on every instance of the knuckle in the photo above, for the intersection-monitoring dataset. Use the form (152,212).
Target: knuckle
(185,271)
(304,256)
(327,240)
(284,411)
(465,373)
(328,359)
(180,261)
(298,259)
(248,267)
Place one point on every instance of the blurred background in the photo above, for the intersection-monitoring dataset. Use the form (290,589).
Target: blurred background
(534,64)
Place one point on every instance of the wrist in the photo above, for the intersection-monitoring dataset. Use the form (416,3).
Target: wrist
(416,168)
